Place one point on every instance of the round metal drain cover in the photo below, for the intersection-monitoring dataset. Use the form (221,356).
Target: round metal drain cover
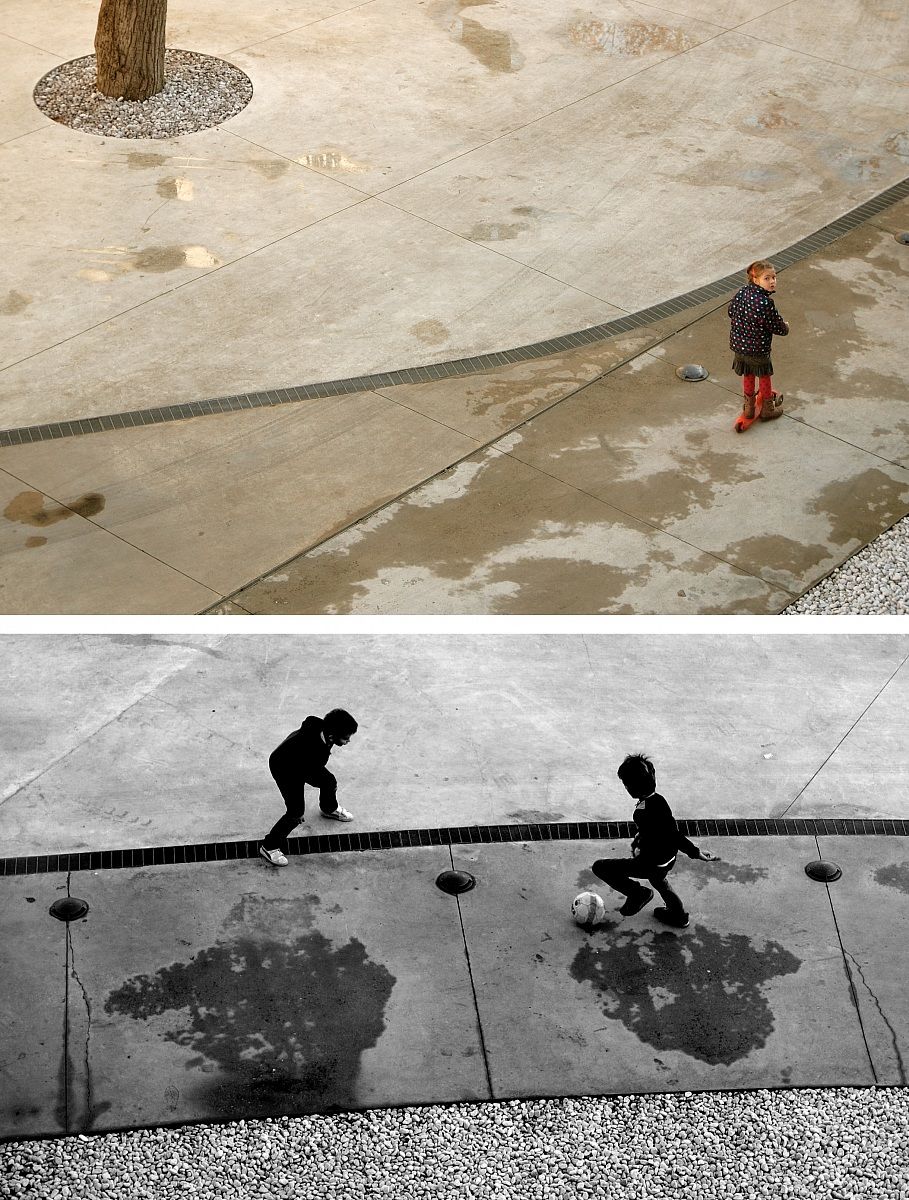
(692,372)
(68,909)
(902,237)
(455,882)
(823,872)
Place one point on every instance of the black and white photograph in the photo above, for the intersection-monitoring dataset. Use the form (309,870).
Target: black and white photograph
(467,915)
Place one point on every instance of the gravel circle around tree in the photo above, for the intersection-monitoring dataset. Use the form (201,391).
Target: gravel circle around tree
(199,92)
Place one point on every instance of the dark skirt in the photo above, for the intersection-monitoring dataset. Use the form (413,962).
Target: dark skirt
(752,364)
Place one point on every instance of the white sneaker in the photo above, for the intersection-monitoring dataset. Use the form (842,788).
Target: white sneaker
(339,814)
(275,857)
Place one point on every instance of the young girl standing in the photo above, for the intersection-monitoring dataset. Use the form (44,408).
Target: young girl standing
(754,320)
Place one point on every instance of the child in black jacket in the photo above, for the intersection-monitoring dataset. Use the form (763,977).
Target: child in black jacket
(653,848)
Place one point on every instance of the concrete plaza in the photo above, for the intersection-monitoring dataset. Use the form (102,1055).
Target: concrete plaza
(230,989)
(451,180)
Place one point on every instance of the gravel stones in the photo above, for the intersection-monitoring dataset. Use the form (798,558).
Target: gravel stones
(199,92)
(873,582)
(839,1143)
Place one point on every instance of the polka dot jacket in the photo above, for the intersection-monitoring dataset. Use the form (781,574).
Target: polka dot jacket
(754,321)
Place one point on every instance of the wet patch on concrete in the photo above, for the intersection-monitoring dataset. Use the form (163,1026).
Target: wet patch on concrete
(271,168)
(895,875)
(627,39)
(431,333)
(495,231)
(14,303)
(138,161)
(699,874)
(699,993)
(330,160)
(278,1019)
(534,816)
(172,188)
(33,543)
(494,48)
(861,507)
(159,259)
(779,559)
(142,641)
(27,508)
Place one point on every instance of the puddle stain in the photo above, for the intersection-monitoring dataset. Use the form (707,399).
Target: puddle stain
(701,995)
(781,560)
(142,641)
(898,143)
(15,303)
(278,1026)
(894,875)
(271,168)
(494,48)
(172,188)
(330,160)
(628,39)
(861,507)
(699,875)
(27,508)
(494,231)
(138,161)
(33,542)
(430,332)
(159,259)
(534,816)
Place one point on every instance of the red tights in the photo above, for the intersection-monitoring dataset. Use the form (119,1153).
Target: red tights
(766,385)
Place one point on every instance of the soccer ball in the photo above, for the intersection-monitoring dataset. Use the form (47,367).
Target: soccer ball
(588,908)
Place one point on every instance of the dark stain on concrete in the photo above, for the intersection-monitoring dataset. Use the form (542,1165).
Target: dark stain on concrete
(27,508)
(33,542)
(861,507)
(15,303)
(277,1023)
(158,259)
(271,168)
(494,48)
(141,641)
(495,231)
(699,993)
(534,816)
(138,161)
(698,874)
(894,875)
(778,559)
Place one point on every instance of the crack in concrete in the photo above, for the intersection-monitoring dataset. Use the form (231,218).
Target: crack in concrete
(91,1111)
(896,1050)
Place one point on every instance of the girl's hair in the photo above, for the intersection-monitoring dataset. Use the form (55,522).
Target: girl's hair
(758,268)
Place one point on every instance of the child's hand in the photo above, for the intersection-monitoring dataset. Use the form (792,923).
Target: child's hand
(706,856)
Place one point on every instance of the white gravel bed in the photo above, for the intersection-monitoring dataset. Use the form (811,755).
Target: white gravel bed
(199,92)
(874,582)
(832,1143)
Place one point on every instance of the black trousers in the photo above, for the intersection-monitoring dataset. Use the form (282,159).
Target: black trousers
(292,791)
(621,873)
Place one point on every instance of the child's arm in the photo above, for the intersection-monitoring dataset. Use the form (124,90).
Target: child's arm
(693,851)
(777,324)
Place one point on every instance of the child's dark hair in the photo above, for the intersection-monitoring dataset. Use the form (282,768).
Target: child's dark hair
(340,722)
(758,268)
(637,769)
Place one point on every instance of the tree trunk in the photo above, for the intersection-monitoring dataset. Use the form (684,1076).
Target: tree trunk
(129,48)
